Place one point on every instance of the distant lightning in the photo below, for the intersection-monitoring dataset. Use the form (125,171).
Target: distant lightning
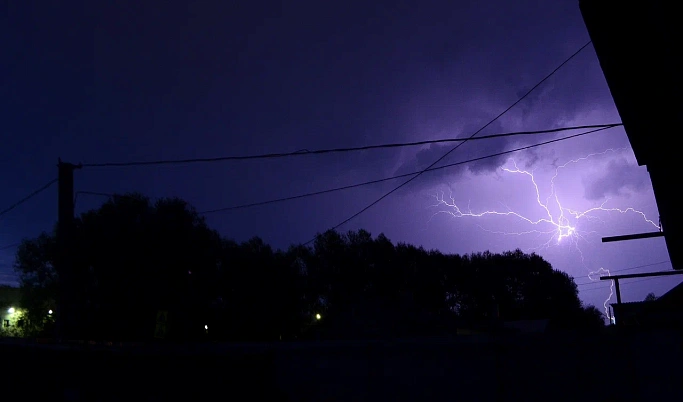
(595,276)
(557,224)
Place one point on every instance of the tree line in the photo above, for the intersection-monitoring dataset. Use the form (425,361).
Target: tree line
(134,257)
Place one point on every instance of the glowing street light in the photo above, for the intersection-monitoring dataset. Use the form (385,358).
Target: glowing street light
(318,316)
(49,312)
(11,310)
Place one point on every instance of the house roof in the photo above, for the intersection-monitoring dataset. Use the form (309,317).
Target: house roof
(625,35)
(632,308)
(675,295)
(635,303)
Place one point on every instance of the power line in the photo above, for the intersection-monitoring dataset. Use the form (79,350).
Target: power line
(621,270)
(621,284)
(9,246)
(89,193)
(28,197)
(460,144)
(350,186)
(608,285)
(340,150)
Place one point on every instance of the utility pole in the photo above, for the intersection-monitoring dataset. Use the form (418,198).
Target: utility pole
(68,290)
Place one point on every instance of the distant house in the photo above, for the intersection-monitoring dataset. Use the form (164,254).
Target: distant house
(11,314)
(664,312)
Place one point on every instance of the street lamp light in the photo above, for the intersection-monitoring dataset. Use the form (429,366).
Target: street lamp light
(11,310)
(318,316)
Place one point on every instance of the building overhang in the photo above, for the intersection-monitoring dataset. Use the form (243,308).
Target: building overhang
(636,45)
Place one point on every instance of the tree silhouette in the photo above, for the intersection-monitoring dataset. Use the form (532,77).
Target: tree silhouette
(261,292)
(135,257)
(38,282)
(650,297)
(142,257)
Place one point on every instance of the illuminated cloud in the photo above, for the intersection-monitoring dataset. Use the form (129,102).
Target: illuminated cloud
(619,178)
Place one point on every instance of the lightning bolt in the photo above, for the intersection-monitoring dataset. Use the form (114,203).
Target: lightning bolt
(556,224)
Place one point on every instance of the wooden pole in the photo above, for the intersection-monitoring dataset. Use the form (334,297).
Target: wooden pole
(616,287)
(67,310)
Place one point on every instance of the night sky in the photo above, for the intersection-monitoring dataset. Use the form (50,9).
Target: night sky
(130,80)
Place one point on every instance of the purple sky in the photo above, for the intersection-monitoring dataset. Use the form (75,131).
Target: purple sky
(122,83)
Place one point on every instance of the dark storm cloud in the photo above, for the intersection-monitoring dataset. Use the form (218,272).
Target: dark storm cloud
(620,178)
(466,151)
(473,150)
(575,91)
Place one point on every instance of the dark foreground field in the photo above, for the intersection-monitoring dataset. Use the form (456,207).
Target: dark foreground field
(608,367)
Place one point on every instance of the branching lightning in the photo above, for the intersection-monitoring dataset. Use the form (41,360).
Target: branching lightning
(556,224)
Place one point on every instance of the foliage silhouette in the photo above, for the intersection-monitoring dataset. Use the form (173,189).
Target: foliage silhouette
(138,257)
(38,282)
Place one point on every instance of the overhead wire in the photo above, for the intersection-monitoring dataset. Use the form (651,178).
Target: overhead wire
(15,205)
(620,270)
(460,144)
(9,246)
(304,152)
(28,197)
(623,269)
(621,284)
(370,182)
(366,183)
(89,193)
